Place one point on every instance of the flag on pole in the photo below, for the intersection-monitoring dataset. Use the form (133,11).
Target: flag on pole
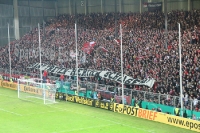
(117,41)
(88,47)
(104,49)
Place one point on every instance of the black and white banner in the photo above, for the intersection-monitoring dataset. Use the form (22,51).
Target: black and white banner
(82,72)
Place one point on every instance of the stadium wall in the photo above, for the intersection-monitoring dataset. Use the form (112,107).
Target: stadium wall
(6,16)
(23,15)
(104,6)
(33,12)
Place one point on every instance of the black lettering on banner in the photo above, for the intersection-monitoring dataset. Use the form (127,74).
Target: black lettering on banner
(84,72)
(43,66)
(91,73)
(79,72)
(144,81)
(84,101)
(97,103)
(94,73)
(49,68)
(135,81)
(52,69)
(124,79)
(106,74)
(128,110)
(184,122)
(38,66)
(102,105)
(111,75)
(97,74)
(119,79)
(68,72)
(64,96)
(118,108)
(55,70)
(70,98)
(116,76)
(111,106)
(33,66)
(73,72)
(129,81)
(58,70)
(62,71)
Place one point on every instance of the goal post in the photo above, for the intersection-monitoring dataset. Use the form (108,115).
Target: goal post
(35,90)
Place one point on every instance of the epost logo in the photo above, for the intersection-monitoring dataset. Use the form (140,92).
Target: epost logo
(124,109)
(146,114)
(191,124)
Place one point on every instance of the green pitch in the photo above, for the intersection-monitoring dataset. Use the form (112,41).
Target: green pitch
(21,116)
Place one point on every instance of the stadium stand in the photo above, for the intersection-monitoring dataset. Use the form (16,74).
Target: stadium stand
(144,48)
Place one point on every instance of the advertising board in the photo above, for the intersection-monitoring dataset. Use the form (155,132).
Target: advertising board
(193,125)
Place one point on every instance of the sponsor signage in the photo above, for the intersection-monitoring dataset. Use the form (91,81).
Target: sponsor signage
(127,80)
(9,85)
(80,100)
(125,109)
(104,105)
(90,102)
(31,89)
(60,95)
(186,123)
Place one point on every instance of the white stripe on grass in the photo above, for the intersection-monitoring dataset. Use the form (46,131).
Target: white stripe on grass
(7,111)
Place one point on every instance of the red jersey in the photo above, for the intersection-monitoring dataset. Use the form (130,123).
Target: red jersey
(45,73)
(62,77)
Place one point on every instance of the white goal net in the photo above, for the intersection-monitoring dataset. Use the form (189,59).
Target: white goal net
(35,90)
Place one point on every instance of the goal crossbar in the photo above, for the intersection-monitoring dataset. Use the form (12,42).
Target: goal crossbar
(37,90)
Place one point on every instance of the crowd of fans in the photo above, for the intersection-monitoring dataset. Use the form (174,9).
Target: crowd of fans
(147,52)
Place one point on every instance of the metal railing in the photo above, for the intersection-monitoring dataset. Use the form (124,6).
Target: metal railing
(158,98)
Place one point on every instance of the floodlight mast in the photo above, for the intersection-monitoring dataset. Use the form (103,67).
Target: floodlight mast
(40,59)
(76,38)
(10,71)
(122,65)
(40,51)
(180,71)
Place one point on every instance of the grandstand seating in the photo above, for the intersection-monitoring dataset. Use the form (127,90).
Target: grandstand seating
(144,48)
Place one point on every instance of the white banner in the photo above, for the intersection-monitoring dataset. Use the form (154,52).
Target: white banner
(82,72)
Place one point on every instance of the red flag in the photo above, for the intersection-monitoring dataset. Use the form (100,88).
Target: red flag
(117,41)
(88,47)
(104,50)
